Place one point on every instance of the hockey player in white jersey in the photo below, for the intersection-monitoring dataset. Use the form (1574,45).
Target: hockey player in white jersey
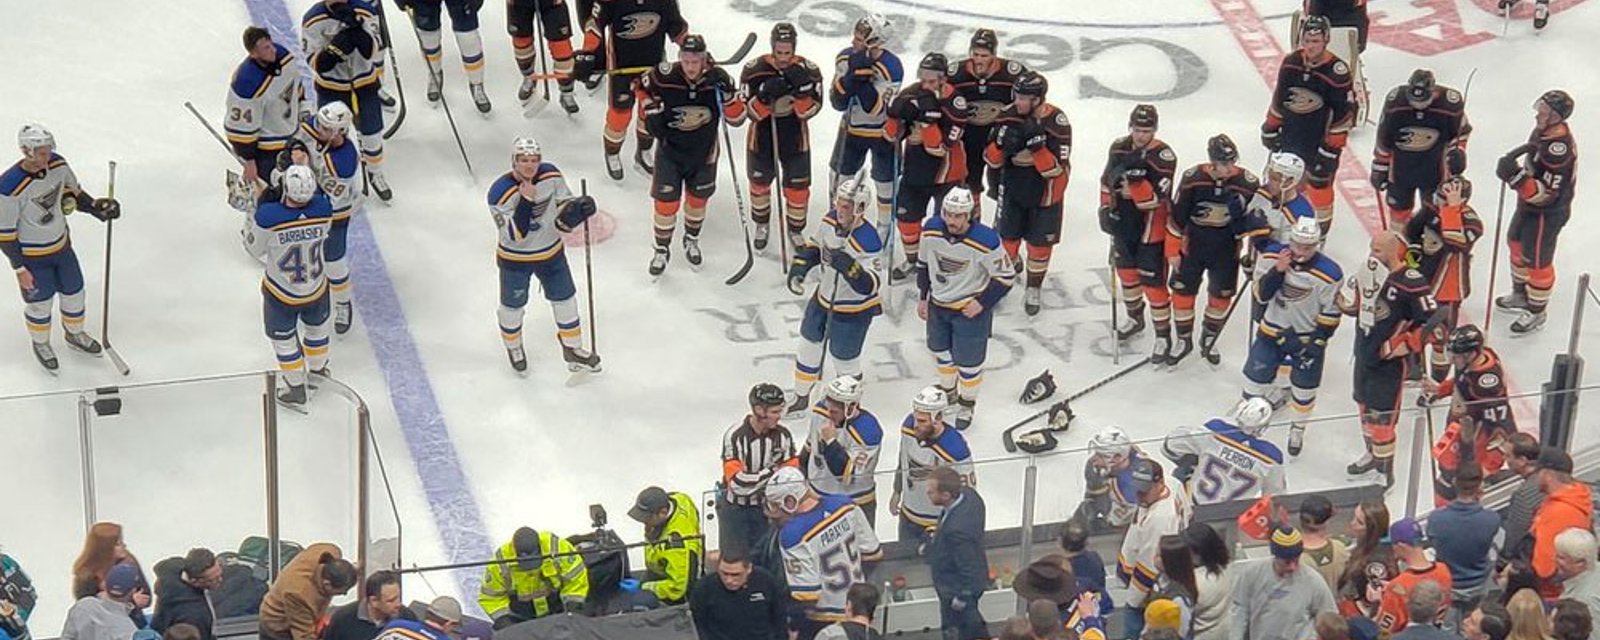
(1225,460)
(342,43)
(264,104)
(292,230)
(962,273)
(36,194)
(425,15)
(926,441)
(826,544)
(844,252)
(333,156)
(532,206)
(1281,200)
(1298,295)
(866,77)
(841,452)
(1109,497)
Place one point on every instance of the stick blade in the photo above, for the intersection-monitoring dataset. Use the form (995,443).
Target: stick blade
(116,359)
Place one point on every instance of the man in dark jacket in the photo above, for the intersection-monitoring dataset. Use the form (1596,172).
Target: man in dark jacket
(1522,460)
(1426,602)
(743,603)
(181,591)
(1464,536)
(364,620)
(955,555)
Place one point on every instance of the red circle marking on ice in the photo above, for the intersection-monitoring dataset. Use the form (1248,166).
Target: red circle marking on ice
(602,224)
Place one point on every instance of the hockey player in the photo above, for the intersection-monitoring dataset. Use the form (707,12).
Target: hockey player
(1479,410)
(634,36)
(841,452)
(866,77)
(1223,461)
(987,82)
(1341,13)
(425,16)
(1108,496)
(532,206)
(844,248)
(263,104)
(1298,292)
(926,122)
(1209,223)
(291,229)
(341,39)
(961,275)
(36,194)
(1541,11)
(1029,148)
(1542,172)
(1311,113)
(683,104)
(926,441)
(1280,202)
(1135,200)
(827,546)
(1422,141)
(1394,311)
(783,91)
(557,26)
(1442,234)
(336,162)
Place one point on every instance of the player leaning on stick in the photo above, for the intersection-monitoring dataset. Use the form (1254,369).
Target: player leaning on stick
(340,38)
(631,36)
(36,194)
(1311,113)
(1135,200)
(784,91)
(532,206)
(1210,223)
(1542,172)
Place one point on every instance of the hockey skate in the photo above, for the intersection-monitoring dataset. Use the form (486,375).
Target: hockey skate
(614,166)
(795,241)
(389,103)
(1131,326)
(379,184)
(46,357)
(1184,348)
(342,315)
(798,406)
(1208,349)
(962,413)
(525,92)
(1030,300)
(518,358)
(580,360)
(1527,323)
(658,262)
(691,251)
(479,97)
(435,87)
(1160,351)
(902,273)
(1297,439)
(1517,300)
(569,102)
(294,397)
(1366,464)
(759,239)
(642,160)
(83,342)
(1541,14)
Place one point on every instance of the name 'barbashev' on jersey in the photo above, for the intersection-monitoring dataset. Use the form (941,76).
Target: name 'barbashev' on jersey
(845,466)
(292,240)
(1226,462)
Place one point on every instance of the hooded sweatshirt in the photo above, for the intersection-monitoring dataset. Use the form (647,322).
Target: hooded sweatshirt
(1565,508)
(178,601)
(97,618)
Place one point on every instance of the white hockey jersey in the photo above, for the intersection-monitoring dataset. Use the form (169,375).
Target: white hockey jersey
(354,71)
(31,212)
(824,551)
(292,240)
(1136,561)
(1280,217)
(862,244)
(264,104)
(338,169)
(1307,300)
(1229,464)
(917,461)
(528,228)
(953,270)
(845,466)
(865,110)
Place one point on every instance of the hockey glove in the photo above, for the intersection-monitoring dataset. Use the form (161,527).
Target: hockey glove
(583,65)
(574,212)
(719,78)
(1380,179)
(106,209)
(1108,219)
(927,105)
(1269,139)
(342,12)
(351,41)
(1508,169)
(771,89)
(798,77)
(1033,135)
(1455,162)
(860,64)
(1010,139)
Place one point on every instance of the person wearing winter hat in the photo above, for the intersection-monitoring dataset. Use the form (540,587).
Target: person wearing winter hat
(1281,598)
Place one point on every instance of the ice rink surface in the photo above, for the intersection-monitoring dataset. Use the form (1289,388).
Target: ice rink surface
(473,450)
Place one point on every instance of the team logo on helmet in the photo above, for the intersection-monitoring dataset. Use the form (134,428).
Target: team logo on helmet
(691,118)
(985,111)
(1302,101)
(637,26)
(1417,139)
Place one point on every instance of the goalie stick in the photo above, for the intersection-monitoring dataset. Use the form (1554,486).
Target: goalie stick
(1009,436)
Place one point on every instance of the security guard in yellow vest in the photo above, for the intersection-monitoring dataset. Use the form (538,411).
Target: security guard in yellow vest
(534,575)
(672,529)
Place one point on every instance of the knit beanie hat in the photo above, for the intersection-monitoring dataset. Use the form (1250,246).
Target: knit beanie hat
(1286,543)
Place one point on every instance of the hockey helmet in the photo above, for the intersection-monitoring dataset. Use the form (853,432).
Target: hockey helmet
(1031,84)
(845,389)
(525,146)
(1315,25)
(1559,102)
(692,43)
(934,62)
(957,202)
(1419,88)
(930,400)
(1110,442)
(34,136)
(766,394)
(1287,165)
(1466,339)
(784,33)
(1306,232)
(786,489)
(1253,415)
(853,193)
(1220,148)
(984,39)
(1144,116)
(873,29)
(299,184)
(335,116)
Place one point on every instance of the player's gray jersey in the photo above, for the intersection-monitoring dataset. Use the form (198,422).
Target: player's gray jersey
(1229,464)
(1308,300)
(527,229)
(824,551)
(31,211)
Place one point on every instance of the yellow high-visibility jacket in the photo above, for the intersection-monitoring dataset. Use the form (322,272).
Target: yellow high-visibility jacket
(562,579)
(675,552)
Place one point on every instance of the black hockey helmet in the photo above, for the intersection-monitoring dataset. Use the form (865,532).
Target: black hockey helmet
(693,43)
(1559,101)
(1144,116)
(1315,24)
(1220,148)
(984,39)
(935,62)
(1031,84)
(1420,87)
(1465,339)
(766,394)
(784,33)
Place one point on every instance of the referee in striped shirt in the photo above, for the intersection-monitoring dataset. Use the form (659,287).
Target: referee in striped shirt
(752,450)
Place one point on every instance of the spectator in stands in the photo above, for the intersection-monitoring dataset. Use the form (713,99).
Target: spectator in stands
(860,603)
(1162,509)
(1522,458)
(1371,563)
(306,585)
(1570,620)
(1488,622)
(675,549)
(1363,628)
(181,631)
(363,620)
(103,548)
(1528,621)
(548,577)
(1016,628)
(743,603)
(1324,554)
(1178,583)
(182,584)
(752,450)
(104,616)
(1393,612)
(1568,504)
(1278,599)
(1050,580)
(1214,585)
(1465,536)
(442,622)
(1575,566)
(1331,626)
(1044,621)
(17,597)
(1517,576)
(1423,605)
(1165,614)
(1087,566)
(955,554)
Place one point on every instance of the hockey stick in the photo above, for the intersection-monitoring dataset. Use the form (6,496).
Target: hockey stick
(1115,285)
(537,102)
(394,68)
(783,224)
(588,275)
(827,321)
(1008,440)
(1494,260)
(410,12)
(890,236)
(740,53)
(105,283)
(738,194)
(1383,211)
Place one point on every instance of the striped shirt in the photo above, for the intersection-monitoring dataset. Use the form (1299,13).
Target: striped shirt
(749,459)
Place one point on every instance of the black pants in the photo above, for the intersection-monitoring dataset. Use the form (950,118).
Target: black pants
(966,624)
(740,526)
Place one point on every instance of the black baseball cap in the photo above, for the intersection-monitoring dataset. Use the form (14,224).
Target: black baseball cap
(1554,459)
(651,500)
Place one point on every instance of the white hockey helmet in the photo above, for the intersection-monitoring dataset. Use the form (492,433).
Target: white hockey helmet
(930,400)
(1253,415)
(958,201)
(525,146)
(1110,441)
(857,194)
(335,116)
(845,389)
(33,136)
(873,29)
(1306,231)
(1287,165)
(786,489)
(299,183)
